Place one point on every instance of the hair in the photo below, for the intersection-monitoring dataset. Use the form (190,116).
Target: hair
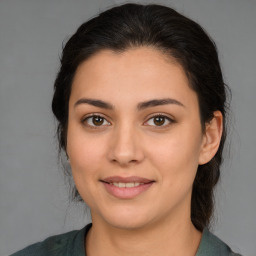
(133,25)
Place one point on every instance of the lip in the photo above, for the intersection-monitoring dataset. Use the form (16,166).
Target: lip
(126,192)
(113,179)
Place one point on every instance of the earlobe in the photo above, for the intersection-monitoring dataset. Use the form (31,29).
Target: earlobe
(212,138)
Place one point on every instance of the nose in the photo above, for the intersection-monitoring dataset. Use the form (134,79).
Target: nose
(126,147)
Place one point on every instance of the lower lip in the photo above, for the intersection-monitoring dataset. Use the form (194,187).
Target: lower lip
(126,193)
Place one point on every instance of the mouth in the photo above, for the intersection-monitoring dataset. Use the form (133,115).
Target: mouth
(126,187)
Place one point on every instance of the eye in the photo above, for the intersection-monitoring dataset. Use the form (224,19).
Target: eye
(159,120)
(95,121)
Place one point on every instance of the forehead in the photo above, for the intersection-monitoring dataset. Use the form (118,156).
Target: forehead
(142,72)
(143,57)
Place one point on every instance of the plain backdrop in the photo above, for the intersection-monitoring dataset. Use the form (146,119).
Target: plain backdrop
(33,194)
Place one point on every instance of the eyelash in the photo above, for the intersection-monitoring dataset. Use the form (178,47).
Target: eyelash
(166,118)
(86,118)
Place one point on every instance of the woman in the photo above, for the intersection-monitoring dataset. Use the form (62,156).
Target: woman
(141,106)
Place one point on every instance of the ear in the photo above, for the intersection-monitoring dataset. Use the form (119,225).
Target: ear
(211,138)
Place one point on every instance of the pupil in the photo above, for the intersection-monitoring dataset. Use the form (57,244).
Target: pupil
(159,120)
(97,120)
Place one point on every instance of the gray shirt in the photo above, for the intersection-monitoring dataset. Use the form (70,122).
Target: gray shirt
(72,244)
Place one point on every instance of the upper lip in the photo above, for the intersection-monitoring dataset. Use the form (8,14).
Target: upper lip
(116,179)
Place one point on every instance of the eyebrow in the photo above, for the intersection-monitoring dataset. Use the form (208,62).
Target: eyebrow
(96,103)
(158,102)
(140,106)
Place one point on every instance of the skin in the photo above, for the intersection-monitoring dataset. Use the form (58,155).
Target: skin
(129,142)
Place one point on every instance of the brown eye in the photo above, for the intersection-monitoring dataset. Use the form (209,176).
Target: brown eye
(95,121)
(159,120)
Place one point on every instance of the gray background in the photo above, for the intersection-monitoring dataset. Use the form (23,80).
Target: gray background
(33,193)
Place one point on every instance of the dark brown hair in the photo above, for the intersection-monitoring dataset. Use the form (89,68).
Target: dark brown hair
(133,25)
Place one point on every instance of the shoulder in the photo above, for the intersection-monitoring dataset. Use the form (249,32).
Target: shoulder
(63,244)
(211,245)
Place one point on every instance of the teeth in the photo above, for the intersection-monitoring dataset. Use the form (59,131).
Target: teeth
(121,185)
(129,185)
(126,185)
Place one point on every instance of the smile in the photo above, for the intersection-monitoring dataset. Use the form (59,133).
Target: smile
(126,187)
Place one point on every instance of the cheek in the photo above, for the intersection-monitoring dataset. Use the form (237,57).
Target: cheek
(176,156)
(85,155)
(84,152)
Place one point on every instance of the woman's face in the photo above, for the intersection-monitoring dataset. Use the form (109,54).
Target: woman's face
(134,137)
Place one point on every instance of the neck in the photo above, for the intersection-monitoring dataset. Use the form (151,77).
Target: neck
(166,238)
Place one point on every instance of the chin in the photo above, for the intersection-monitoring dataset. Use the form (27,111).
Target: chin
(128,219)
